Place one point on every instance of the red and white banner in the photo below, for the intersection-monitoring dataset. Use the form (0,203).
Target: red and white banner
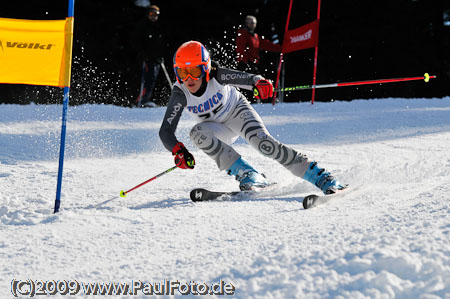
(303,37)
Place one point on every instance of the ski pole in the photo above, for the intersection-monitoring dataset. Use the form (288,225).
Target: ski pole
(166,74)
(124,193)
(425,77)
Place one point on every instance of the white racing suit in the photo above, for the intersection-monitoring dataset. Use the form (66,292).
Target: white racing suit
(223,114)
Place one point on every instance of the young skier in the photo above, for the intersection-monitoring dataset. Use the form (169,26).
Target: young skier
(207,92)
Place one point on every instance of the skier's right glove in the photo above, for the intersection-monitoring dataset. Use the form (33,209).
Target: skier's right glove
(183,158)
(263,89)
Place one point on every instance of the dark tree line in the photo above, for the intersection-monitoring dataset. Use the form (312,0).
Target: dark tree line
(359,40)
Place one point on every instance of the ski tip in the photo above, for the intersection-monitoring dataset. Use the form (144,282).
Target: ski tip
(308,201)
(197,194)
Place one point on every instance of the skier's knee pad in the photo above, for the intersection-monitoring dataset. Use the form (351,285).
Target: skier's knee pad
(200,136)
(204,138)
(267,145)
(213,129)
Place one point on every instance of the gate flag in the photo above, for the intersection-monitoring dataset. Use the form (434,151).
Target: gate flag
(303,37)
(37,52)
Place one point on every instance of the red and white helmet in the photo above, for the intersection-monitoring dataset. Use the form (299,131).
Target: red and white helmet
(190,59)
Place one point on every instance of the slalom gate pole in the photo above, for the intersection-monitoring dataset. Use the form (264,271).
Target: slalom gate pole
(425,77)
(124,193)
(313,96)
(281,55)
(70,14)
(61,150)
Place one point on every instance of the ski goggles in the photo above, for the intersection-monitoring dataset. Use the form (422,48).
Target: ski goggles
(195,72)
(153,13)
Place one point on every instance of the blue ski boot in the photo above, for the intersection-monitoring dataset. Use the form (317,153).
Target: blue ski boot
(322,179)
(248,177)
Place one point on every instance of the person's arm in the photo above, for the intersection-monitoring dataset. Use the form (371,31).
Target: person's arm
(175,107)
(137,40)
(267,45)
(236,78)
(262,88)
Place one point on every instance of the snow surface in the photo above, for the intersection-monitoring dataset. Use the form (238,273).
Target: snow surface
(389,237)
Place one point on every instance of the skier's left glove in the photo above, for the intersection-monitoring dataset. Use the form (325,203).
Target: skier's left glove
(183,158)
(263,89)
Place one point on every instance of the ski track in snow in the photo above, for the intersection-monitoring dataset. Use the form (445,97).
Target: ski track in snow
(389,237)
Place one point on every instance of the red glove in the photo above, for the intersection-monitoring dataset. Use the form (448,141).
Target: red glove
(263,89)
(183,158)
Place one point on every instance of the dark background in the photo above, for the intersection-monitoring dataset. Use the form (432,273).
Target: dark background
(358,40)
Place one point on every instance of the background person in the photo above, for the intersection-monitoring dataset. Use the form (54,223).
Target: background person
(148,38)
(248,46)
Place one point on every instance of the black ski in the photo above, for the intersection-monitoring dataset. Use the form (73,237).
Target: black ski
(314,200)
(201,194)
(309,201)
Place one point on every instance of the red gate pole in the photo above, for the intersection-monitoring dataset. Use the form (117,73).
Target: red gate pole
(281,55)
(315,55)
